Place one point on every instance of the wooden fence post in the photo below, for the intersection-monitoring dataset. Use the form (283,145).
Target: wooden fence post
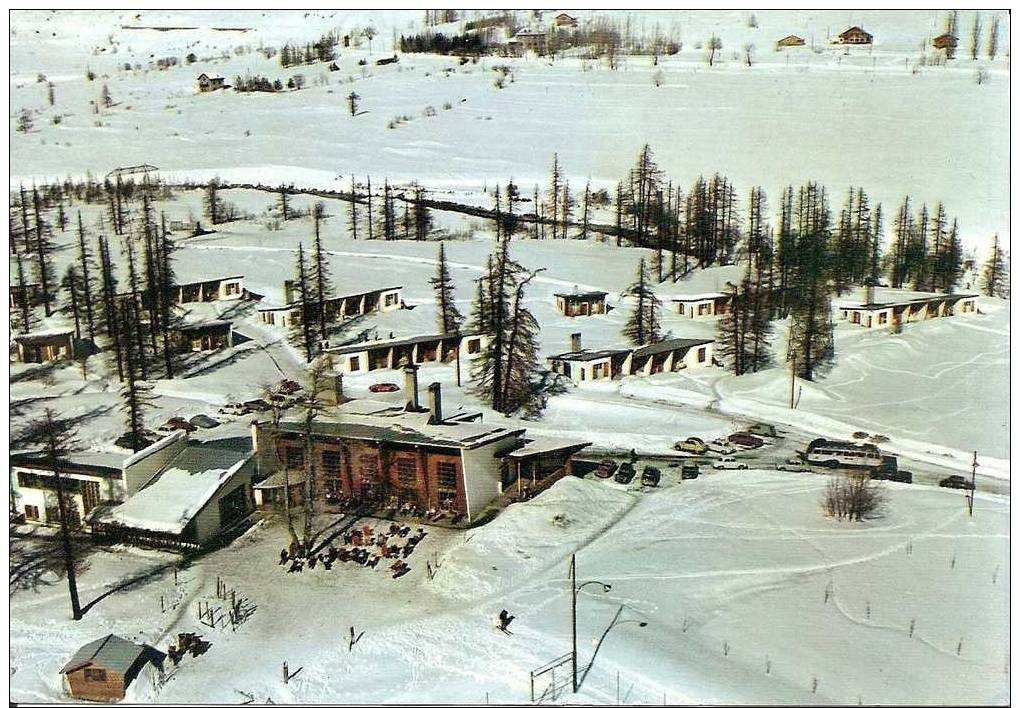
(286,675)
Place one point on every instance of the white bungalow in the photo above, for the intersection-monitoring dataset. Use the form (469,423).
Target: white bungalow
(581,365)
(699,305)
(880,308)
(395,353)
(337,308)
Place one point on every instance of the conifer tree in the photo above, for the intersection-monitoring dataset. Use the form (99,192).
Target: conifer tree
(320,279)
(449,317)
(585,211)
(555,186)
(213,204)
(134,399)
(167,287)
(27,318)
(994,275)
(304,326)
(132,301)
(72,286)
(422,215)
(44,257)
(642,326)
(111,316)
(88,283)
(369,216)
(811,330)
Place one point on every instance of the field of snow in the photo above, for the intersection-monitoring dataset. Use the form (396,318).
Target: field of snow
(749,595)
(862,118)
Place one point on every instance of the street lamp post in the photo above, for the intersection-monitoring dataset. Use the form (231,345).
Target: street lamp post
(574,588)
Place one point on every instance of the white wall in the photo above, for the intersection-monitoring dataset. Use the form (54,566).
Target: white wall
(691,357)
(223,288)
(206,524)
(481,474)
(110,489)
(382,300)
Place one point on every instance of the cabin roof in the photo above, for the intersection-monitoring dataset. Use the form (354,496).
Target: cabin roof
(111,652)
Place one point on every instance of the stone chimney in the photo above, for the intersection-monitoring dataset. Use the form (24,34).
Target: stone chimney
(288,292)
(411,386)
(869,294)
(575,342)
(435,403)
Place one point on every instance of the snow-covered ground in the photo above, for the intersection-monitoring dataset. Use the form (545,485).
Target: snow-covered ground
(749,595)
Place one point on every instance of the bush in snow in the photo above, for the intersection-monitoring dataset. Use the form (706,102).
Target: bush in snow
(853,497)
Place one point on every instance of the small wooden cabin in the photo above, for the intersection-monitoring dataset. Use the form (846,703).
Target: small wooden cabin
(854,35)
(103,669)
(41,347)
(565,20)
(572,304)
(945,41)
(790,40)
(210,82)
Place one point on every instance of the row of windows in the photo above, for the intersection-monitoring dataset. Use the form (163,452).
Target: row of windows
(446,472)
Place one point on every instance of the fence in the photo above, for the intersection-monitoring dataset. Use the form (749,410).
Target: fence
(545,683)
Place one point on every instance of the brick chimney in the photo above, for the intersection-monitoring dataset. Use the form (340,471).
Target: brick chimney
(411,386)
(869,294)
(575,342)
(435,403)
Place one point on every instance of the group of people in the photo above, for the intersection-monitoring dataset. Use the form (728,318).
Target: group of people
(413,511)
(362,546)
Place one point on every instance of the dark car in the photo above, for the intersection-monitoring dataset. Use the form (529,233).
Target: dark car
(625,474)
(178,423)
(256,405)
(204,421)
(383,388)
(651,476)
(745,440)
(127,441)
(605,469)
(689,471)
(955,481)
(288,386)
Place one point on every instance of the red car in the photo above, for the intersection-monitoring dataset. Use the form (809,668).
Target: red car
(383,388)
(180,424)
(745,440)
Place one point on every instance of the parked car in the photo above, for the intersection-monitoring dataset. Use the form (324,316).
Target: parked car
(746,440)
(689,471)
(233,409)
(879,438)
(859,435)
(281,400)
(792,465)
(383,388)
(175,424)
(256,405)
(766,429)
(204,421)
(605,469)
(651,476)
(625,473)
(693,445)
(956,481)
(729,463)
(721,446)
(288,386)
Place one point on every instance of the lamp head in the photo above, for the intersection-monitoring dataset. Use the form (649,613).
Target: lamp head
(642,624)
(607,588)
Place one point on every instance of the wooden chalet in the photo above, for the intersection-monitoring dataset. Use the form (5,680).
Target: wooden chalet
(790,40)
(31,291)
(223,288)
(854,35)
(531,40)
(204,335)
(337,308)
(41,347)
(945,42)
(103,669)
(563,20)
(583,303)
(210,82)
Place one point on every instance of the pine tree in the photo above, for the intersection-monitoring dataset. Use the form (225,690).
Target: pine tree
(167,287)
(284,202)
(994,275)
(320,278)
(27,318)
(620,208)
(304,327)
(111,316)
(213,205)
(642,326)
(135,400)
(585,211)
(422,215)
(369,216)
(57,439)
(72,286)
(555,185)
(993,39)
(132,300)
(538,229)
(522,364)
(811,328)
(449,317)
(352,214)
(975,36)
(44,257)
(88,284)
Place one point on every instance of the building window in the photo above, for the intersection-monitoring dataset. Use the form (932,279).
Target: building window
(407,473)
(331,471)
(295,457)
(391,299)
(882,318)
(31,512)
(704,308)
(98,675)
(232,288)
(680,308)
(474,346)
(446,474)
(701,355)
(582,373)
(354,363)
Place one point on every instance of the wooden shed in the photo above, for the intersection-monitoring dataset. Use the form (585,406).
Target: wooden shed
(103,669)
(854,35)
(790,40)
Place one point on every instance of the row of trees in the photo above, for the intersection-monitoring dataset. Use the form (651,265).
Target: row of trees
(322,49)
(386,219)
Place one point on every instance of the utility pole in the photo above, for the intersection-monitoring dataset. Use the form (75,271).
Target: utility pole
(973,485)
(573,622)
(793,379)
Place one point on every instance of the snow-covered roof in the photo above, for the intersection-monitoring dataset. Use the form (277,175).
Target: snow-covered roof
(175,495)
(396,341)
(539,446)
(407,428)
(273,297)
(700,296)
(106,464)
(584,294)
(886,297)
(280,478)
